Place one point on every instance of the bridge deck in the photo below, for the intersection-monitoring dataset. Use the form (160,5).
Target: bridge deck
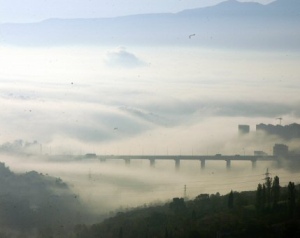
(189,157)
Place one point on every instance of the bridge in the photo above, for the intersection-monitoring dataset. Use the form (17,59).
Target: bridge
(177,158)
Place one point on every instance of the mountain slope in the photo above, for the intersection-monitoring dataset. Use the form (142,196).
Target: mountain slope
(228,8)
(33,201)
(229,24)
(285,7)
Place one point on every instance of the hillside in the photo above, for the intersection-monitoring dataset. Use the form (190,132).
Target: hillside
(229,24)
(232,215)
(34,204)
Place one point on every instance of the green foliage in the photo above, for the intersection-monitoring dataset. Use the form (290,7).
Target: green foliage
(177,205)
(36,203)
(259,198)
(268,185)
(230,200)
(291,199)
(275,191)
(263,202)
(206,216)
(48,208)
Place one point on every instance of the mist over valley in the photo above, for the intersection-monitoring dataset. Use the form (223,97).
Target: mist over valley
(167,84)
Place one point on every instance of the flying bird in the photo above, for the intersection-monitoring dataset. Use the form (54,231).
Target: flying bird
(190,36)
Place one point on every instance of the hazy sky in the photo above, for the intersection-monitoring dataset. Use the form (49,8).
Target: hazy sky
(36,10)
(74,97)
(140,99)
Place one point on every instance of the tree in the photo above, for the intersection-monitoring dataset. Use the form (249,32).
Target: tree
(291,199)
(268,185)
(275,191)
(177,205)
(121,232)
(259,197)
(263,200)
(230,200)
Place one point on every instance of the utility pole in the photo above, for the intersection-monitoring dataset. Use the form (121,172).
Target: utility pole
(267,175)
(280,119)
(268,185)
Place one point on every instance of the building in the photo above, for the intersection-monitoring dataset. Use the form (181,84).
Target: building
(288,132)
(280,150)
(244,129)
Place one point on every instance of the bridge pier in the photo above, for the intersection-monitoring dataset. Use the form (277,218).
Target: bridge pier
(177,164)
(127,161)
(228,164)
(152,162)
(102,160)
(253,163)
(202,163)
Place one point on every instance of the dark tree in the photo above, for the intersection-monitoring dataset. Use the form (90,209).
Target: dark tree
(259,197)
(166,233)
(230,200)
(291,199)
(194,234)
(178,205)
(121,232)
(194,215)
(275,191)
(263,200)
(268,185)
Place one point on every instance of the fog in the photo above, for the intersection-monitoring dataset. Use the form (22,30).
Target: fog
(145,100)
(112,186)
(105,99)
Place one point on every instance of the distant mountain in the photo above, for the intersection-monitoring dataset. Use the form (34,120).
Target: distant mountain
(285,7)
(229,24)
(229,8)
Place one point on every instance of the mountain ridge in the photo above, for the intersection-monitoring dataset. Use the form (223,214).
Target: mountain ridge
(228,24)
(229,6)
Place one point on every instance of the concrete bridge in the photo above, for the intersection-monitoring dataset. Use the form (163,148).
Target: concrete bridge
(202,158)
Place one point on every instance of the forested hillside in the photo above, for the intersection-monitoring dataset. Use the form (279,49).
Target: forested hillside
(36,205)
(271,211)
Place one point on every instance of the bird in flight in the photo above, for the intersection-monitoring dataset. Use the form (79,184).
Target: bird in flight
(190,36)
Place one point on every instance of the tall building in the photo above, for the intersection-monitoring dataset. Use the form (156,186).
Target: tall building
(280,150)
(289,132)
(244,129)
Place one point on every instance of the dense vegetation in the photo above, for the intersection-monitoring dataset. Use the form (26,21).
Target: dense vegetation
(41,206)
(36,205)
(270,211)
